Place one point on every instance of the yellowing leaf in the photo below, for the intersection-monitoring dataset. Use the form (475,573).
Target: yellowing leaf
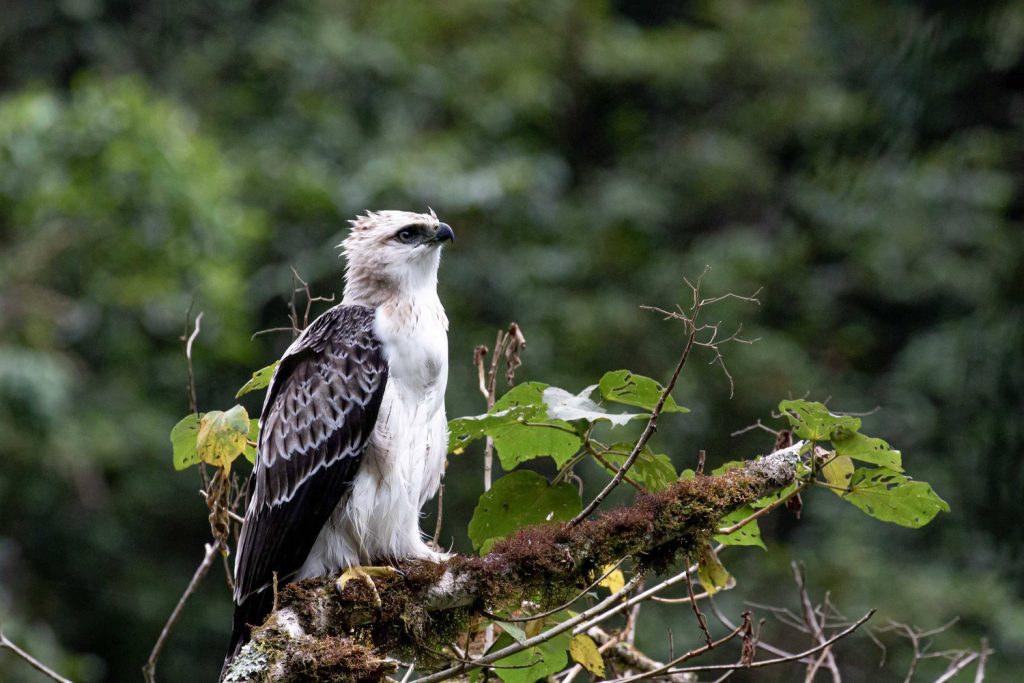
(837,473)
(711,572)
(615,581)
(584,651)
(222,436)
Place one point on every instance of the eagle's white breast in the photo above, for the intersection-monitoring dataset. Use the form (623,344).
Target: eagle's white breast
(404,460)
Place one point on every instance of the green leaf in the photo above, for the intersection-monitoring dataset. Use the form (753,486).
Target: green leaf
(868,449)
(726,466)
(518,443)
(222,436)
(259,380)
(529,396)
(254,436)
(516,632)
(748,534)
(811,420)
(464,430)
(561,405)
(891,497)
(622,386)
(655,472)
(515,441)
(533,663)
(773,498)
(583,650)
(183,441)
(518,500)
(711,573)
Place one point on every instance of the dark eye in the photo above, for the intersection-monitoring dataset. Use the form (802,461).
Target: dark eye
(406,235)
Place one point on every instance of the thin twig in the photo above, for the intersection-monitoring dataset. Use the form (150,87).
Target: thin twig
(957,665)
(192,403)
(815,628)
(645,436)
(979,675)
(640,597)
(547,635)
(667,668)
(440,515)
(781,660)
(149,670)
(6,643)
(701,619)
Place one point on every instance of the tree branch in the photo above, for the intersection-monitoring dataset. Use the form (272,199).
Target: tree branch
(6,644)
(424,610)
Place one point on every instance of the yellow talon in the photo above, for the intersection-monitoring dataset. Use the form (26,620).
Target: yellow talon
(365,575)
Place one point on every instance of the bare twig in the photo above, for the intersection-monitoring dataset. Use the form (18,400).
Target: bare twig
(645,436)
(701,619)
(958,664)
(440,515)
(6,644)
(815,629)
(760,643)
(149,670)
(545,636)
(756,425)
(192,403)
(667,668)
(690,322)
(781,660)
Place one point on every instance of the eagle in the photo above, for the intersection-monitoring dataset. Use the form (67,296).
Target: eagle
(353,435)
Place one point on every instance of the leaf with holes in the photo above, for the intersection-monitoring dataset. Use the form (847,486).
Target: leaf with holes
(623,386)
(868,449)
(584,652)
(183,442)
(837,472)
(222,436)
(811,420)
(518,443)
(518,500)
(520,429)
(748,534)
(891,497)
(655,472)
(259,380)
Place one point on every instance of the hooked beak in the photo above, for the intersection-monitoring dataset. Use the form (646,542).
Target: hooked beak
(444,233)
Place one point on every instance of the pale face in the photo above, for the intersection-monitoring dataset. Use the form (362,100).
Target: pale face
(393,251)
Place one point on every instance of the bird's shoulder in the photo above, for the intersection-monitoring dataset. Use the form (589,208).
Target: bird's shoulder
(344,324)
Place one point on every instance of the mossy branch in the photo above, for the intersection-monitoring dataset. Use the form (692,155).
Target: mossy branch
(318,635)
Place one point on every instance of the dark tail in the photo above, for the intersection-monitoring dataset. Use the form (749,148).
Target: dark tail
(253,611)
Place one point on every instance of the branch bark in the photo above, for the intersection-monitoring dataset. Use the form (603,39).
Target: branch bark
(320,635)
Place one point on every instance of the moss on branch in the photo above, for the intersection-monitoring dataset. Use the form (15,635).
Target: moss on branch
(318,635)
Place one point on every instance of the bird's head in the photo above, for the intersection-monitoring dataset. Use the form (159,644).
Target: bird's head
(392,252)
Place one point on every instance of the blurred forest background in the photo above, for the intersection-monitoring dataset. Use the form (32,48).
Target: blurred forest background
(862,162)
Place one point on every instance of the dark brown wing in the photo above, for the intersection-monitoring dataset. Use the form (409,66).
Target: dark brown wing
(319,413)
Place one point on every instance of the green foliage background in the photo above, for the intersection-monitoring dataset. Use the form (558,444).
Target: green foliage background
(860,161)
